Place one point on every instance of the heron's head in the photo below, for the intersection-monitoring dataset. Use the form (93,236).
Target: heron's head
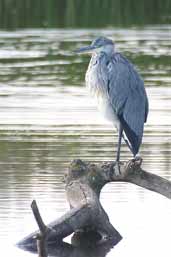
(101,44)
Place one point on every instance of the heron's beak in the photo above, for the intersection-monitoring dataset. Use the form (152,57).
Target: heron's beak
(86,49)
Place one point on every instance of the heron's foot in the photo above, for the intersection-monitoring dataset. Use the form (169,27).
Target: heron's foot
(105,238)
(109,238)
(135,162)
(117,169)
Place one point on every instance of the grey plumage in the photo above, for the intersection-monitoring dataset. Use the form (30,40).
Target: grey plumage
(119,91)
(128,97)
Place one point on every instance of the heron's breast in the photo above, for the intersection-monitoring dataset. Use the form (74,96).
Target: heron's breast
(95,82)
(103,104)
(105,107)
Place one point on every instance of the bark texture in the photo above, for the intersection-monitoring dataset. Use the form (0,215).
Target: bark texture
(84,182)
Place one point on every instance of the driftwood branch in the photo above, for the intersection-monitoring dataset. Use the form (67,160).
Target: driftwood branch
(84,182)
(41,236)
(133,173)
(38,218)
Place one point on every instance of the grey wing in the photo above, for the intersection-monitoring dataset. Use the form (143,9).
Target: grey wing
(128,98)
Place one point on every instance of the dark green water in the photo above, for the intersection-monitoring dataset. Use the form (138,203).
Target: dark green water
(47,119)
(85,14)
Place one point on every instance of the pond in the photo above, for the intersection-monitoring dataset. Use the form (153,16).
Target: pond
(48,119)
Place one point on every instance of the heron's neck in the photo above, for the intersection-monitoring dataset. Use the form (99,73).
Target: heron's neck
(98,55)
(109,50)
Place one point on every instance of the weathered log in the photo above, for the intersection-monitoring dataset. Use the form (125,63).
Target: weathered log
(133,173)
(84,182)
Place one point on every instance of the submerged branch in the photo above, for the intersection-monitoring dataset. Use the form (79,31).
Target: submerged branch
(41,236)
(38,218)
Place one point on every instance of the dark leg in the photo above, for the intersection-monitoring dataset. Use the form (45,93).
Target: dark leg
(127,143)
(119,143)
(117,168)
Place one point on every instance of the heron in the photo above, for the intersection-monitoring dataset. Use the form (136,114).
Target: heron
(119,92)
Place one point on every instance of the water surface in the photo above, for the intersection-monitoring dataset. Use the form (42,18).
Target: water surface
(47,119)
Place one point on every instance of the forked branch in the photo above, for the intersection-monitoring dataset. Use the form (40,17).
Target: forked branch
(84,182)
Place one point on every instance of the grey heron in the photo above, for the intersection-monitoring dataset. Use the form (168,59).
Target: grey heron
(119,92)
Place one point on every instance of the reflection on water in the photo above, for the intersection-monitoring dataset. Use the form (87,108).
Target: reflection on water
(47,119)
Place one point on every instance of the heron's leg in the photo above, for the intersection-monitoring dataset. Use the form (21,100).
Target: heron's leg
(127,143)
(119,143)
(117,168)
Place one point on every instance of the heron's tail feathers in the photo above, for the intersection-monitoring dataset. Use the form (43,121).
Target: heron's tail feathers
(134,139)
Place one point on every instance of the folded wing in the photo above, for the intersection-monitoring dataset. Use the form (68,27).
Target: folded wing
(128,98)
